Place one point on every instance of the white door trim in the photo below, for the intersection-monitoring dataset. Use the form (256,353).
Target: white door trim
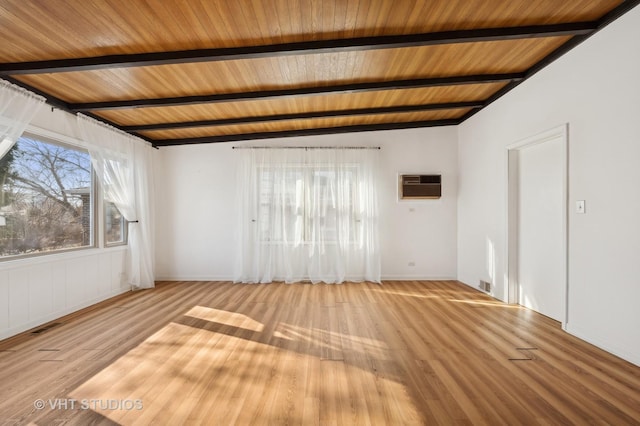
(511,245)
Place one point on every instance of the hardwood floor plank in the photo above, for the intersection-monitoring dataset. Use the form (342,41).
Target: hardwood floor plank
(405,352)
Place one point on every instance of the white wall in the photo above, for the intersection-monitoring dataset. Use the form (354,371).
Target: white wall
(594,88)
(196,218)
(39,289)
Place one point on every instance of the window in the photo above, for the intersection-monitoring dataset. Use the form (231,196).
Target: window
(302,204)
(307,214)
(115,226)
(46,198)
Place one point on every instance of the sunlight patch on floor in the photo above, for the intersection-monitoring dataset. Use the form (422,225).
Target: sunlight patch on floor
(224,317)
(187,374)
(486,303)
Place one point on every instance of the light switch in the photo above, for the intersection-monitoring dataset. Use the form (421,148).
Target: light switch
(580,209)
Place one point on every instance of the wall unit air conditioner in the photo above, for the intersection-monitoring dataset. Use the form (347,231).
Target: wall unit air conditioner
(416,187)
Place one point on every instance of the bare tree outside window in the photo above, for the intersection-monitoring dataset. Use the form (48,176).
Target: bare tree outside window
(46,198)
(115,225)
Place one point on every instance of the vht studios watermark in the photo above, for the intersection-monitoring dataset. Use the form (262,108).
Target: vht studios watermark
(88,404)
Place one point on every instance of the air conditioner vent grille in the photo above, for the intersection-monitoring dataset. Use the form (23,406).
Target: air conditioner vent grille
(420,186)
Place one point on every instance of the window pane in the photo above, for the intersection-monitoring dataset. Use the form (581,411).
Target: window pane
(299,204)
(46,198)
(115,230)
(281,204)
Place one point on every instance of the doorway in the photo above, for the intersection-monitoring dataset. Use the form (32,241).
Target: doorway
(537,223)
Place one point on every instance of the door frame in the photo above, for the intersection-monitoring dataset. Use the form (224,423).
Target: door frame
(512,195)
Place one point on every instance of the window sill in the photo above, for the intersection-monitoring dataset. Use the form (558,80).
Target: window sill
(114,245)
(38,259)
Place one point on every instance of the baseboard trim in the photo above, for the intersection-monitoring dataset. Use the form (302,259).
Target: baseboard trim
(603,344)
(14,331)
(193,278)
(384,278)
(416,278)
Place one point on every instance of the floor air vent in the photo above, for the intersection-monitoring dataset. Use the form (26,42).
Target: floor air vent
(46,328)
(485,286)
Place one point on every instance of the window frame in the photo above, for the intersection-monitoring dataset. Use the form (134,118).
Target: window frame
(93,243)
(98,204)
(123,221)
(307,172)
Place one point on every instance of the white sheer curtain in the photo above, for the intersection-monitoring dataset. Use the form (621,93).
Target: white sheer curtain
(17,108)
(308,214)
(123,164)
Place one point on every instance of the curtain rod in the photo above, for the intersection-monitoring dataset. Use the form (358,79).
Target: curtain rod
(305,147)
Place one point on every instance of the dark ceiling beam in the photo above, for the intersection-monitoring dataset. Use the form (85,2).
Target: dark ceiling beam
(298,48)
(56,103)
(305,132)
(304,91)
(305,115)
(614,14)
(617,12)
(51,100)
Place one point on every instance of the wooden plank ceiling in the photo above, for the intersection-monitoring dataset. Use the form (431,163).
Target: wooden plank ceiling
(196,71)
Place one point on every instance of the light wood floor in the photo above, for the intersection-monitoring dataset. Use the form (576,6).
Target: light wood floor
(400,353)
